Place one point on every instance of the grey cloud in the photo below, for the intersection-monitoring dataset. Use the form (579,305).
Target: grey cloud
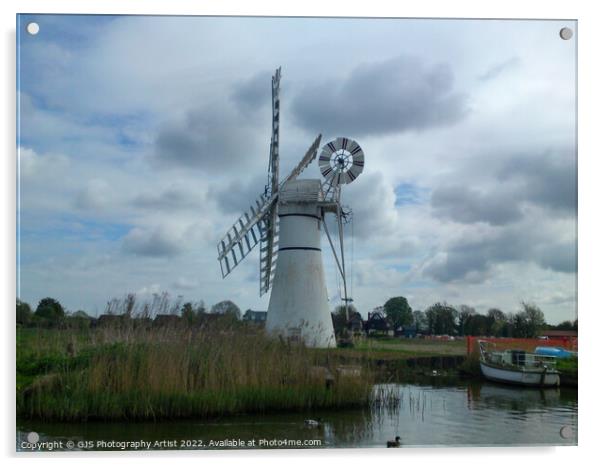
(471,259)
(373,203)
(392,96)
(239,195)
(157,242)
(253,94)
(455,267)
(467,205)
(186,283)
(561,257)
(213,141)
(561,298)
(95,196)
(548,181)
(499,68)
(171,199)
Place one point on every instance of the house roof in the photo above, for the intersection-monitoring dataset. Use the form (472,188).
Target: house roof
(377,319)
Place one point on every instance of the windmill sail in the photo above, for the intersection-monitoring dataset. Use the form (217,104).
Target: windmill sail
(274,166)
(244,235)
(309,156)
(267,255)
(259,223)
(268,251)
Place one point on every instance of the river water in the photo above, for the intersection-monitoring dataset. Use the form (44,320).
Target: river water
(462,414)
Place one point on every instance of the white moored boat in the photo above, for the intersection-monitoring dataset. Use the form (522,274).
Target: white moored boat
(518,367)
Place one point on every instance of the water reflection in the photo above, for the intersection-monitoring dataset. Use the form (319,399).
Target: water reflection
(510,398)
(461,414)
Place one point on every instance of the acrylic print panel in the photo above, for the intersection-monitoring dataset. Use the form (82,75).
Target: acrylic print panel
(247,232)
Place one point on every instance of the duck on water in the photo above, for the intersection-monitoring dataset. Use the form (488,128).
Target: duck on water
(394,443)
(313,422)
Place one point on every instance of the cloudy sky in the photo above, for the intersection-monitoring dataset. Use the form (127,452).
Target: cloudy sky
(143,138)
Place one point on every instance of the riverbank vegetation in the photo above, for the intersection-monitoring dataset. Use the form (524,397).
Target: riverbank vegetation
(171,373)
(148,372)
(569,372)
(165,359)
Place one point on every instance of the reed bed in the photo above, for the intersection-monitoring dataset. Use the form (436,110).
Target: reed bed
(139,372)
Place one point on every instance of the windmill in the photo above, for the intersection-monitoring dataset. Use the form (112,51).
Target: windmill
(286,221)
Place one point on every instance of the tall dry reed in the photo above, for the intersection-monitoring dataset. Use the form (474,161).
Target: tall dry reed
(139,371)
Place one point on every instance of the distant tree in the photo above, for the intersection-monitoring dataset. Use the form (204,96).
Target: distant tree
(431,319)
(496,315)
(464,314)
(24,313)
(441,318)
(342,310)
(399,311)
(535,319)
(226,307)
(50,310)
(420,321)
(477,325)
(188,313)
(519,325)
(566,325)
(79,319)
(339,318)
(496,321)
(509,326)
(191,313)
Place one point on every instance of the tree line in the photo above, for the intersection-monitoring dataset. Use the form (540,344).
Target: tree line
(445,319)
(50,313)
(437,319)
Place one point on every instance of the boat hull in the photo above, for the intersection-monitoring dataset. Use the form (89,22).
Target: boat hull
(528,377)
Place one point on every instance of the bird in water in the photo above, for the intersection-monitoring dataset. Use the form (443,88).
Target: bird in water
(394,443)
(313,422)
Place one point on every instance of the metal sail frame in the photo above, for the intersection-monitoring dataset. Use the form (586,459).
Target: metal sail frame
(260,223)
(274,165)
(267,248)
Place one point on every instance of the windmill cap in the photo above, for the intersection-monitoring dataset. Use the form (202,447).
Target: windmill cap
(301,191)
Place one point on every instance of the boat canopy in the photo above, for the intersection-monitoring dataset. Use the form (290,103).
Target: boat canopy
(554,351)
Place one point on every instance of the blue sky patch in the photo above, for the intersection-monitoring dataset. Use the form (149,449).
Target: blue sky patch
(408,193)
(74,228)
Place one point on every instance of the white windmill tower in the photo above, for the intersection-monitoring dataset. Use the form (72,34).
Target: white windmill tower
(287,220)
